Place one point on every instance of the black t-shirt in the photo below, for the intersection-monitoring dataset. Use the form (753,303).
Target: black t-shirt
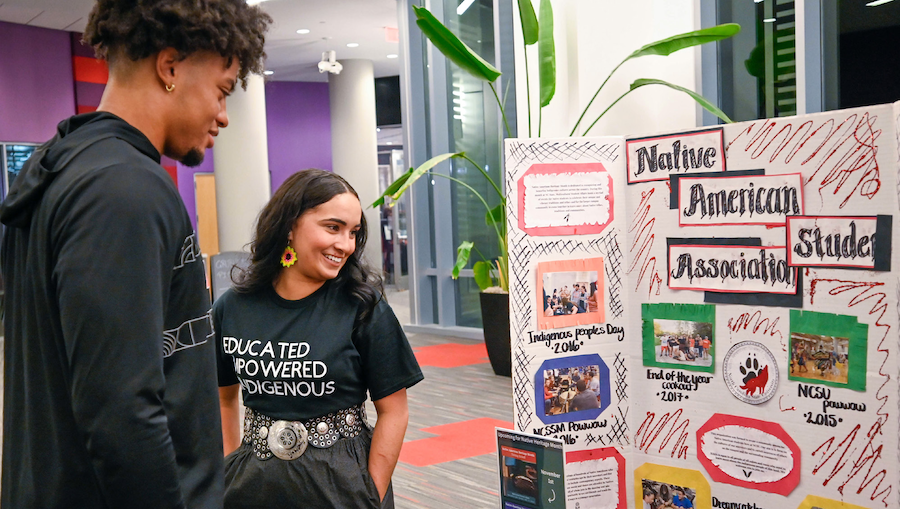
(299,359)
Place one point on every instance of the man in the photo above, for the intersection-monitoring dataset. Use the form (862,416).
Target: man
(593,383)
(585,399)
(681,500)
(110,384)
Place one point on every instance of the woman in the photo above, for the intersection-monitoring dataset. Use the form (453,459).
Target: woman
(305,334)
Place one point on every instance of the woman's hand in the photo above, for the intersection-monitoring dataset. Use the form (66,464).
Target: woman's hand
(390,428)
(229,405)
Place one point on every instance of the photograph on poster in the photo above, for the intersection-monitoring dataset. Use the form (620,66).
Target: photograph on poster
(661,495)
(819,357)
(682,341)
(570,293)
(570,389)
(679,336)
(828,349)
(520,477)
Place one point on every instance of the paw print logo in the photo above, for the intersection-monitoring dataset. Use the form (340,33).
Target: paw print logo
(755,379)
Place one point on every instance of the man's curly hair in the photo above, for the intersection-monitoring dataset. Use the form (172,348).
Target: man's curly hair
(137,29)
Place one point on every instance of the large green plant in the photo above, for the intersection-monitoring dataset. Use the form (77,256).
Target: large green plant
(535,31)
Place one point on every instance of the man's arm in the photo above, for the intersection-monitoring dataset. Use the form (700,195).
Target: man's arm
(114,251)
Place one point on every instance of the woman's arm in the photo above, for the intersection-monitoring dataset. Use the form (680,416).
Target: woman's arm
(231,421)
(393,417)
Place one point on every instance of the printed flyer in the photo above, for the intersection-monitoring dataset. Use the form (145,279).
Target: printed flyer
(709,318)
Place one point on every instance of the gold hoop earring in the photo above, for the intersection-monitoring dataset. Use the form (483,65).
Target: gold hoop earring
(170,87)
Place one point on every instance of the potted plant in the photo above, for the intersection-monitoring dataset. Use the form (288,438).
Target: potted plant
(492,275)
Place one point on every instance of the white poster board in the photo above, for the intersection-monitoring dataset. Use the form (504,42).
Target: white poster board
(742,353)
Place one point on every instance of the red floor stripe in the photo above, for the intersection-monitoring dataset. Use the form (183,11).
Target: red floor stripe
(451,355)
(453,442)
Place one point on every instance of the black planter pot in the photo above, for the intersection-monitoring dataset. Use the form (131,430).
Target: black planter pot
(495,318)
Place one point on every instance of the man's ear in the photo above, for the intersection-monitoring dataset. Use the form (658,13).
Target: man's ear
(166,62)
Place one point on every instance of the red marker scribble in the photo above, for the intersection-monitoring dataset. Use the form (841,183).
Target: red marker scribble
(844,159)
(860,292)
(781,407)
(871,452)
(643,241)
(667,427)
(862,463)
(755,321)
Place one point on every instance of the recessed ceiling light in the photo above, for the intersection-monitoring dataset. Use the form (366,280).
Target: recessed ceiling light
(769,20)
(390,143)
(268,73)
(876,3)
(392,55)
(254,2)
(352,44)
(303,31)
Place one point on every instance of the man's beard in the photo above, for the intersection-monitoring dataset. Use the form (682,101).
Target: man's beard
(193,158)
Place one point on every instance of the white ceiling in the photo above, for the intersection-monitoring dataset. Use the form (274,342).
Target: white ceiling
(332,24)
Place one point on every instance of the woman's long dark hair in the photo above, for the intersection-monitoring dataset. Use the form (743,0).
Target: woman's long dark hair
(303,191)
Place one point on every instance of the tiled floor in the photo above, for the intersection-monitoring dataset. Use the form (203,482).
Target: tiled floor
(449,459)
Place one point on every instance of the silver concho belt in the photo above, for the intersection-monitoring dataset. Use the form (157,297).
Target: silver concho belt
(288,440)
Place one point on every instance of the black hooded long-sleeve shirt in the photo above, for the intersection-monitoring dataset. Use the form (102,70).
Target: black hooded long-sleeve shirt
(110,392)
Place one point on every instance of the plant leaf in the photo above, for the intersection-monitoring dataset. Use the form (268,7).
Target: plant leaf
(462,257)
(393,188)
(453,48)
(686,40)
(421,170)
(483,277)
(546,54)
(710,107)
(496,215)
(529,22)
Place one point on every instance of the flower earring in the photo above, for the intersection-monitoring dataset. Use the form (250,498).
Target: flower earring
(289,257)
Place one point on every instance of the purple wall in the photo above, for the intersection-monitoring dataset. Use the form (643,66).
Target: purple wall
(36,83)
(298,120)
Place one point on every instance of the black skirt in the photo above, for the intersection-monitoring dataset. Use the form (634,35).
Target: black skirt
(335,477)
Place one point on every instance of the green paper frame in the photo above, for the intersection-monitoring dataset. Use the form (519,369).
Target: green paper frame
(844,326)
(705,313)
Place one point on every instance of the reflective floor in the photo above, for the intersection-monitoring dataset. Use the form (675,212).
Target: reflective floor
(449,458)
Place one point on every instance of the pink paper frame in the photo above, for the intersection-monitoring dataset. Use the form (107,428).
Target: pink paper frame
(556,322)
(556,169)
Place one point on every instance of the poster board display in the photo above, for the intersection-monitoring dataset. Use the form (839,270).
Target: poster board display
(709,318)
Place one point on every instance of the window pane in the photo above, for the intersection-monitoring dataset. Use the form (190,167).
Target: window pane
(468,303)
(868,59)
(758,67)
(474,129)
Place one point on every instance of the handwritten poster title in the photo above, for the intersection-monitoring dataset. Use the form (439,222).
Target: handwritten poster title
(739,269)
(655,158)
(756,200)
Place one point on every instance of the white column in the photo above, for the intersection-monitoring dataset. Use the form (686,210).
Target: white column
(354,146)
(242,166)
